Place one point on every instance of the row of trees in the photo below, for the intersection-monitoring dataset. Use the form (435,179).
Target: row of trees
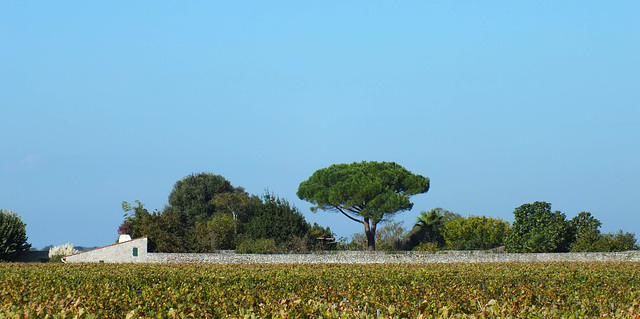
(372,192)
(206,213)
(536,229)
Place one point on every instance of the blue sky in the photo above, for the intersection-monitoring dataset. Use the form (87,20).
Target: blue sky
(499,103)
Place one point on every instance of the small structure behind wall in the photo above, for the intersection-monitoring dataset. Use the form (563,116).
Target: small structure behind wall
(124,238)
(127,251)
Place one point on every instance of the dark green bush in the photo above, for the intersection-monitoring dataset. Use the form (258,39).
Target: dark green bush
(13,235)
(257,246)
(475,232)
(595,241)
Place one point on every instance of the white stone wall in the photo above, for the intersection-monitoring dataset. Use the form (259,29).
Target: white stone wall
(116,253)
(123,253)
(359,257)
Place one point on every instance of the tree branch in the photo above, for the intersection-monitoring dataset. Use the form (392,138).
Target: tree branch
(355,211)
(355,220)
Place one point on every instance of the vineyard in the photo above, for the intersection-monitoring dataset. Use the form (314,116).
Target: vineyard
(490,290)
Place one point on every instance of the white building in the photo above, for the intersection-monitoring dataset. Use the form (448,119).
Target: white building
(127,250)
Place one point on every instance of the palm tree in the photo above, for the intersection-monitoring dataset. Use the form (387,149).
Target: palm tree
(429,227)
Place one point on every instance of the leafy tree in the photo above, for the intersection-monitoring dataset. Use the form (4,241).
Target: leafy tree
(475,232)
(133,215)
(537,229)
(192,196)
(277,226)
(215,234)
(166,231)
(237,204)
(13,235)
(274,218)
(365,192)
(583,225)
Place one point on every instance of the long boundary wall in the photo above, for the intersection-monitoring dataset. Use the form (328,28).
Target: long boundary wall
(379,258)
(135,251)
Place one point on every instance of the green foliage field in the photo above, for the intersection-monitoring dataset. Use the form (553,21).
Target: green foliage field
(533,290)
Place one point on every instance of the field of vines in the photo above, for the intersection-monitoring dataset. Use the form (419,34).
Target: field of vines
(489,290)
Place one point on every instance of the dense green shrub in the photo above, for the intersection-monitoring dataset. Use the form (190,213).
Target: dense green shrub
(215,234)
(475,232)
(13,235)
(276,219)
(257,246)
(595,241)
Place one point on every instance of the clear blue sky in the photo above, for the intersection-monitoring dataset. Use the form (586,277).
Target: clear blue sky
(499,103)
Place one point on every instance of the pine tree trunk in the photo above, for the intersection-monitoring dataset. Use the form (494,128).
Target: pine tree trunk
(371,235)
